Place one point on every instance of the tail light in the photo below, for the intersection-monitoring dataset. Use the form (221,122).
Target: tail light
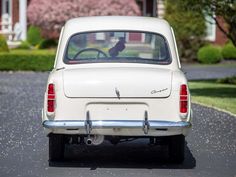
(51,98)
(183,99)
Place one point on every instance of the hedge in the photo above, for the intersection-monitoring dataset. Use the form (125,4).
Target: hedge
(26,61)
(209,54)
(229,51)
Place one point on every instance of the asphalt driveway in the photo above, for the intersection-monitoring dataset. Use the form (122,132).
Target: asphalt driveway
(211,146)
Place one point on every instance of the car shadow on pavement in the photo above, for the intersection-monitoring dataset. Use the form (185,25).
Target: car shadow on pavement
(126,155)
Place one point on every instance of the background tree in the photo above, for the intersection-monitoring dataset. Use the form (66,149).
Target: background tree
(50,15)
(217,8)
(189,27)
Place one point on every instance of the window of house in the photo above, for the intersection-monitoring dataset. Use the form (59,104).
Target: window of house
(210,28)
(6,7)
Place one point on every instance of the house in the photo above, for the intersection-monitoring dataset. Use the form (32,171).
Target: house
(214,34)
(13,21)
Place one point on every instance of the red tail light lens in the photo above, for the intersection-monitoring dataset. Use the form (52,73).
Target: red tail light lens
(183,99)
(51,98)
(51,89)
(183,90)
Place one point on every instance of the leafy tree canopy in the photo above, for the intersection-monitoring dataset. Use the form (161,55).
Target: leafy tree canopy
(217,8)
(189,27)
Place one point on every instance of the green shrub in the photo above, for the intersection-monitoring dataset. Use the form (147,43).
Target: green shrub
(34,36)
(228,80)
(24,45)
(3,44)
(229,51)
(26,61)
(47,43)
(209,54)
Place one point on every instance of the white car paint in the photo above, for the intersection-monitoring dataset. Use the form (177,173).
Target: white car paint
(94,88)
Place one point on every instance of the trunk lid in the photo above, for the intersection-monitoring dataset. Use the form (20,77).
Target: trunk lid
(117,82)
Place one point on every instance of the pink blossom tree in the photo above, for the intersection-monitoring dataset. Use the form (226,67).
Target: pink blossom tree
(50,15)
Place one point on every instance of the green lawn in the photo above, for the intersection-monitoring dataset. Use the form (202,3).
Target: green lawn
(215,94)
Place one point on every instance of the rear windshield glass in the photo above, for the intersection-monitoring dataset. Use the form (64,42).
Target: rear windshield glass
(117,46)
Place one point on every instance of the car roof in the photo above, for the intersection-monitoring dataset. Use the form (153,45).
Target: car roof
(99,23)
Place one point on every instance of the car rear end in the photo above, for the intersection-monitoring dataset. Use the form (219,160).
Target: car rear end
(111,98)
(109,94)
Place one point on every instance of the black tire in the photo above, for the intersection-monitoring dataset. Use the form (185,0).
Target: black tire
(176,147)
(56,147)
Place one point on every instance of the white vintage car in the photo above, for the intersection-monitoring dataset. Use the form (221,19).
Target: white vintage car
(117,78)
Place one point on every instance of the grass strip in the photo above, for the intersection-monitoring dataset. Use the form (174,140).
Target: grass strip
(211,93)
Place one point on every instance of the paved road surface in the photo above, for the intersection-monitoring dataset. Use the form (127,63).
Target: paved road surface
(208,72)
(211,146)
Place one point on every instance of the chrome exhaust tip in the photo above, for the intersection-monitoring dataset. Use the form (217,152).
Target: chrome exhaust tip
(94,140)
(89,142)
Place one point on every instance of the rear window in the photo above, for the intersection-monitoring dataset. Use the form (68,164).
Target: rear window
(117,46)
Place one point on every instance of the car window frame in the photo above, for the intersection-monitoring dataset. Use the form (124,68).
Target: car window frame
(168,62)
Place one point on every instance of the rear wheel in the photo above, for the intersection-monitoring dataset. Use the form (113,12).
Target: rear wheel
(56,147)
(176,147)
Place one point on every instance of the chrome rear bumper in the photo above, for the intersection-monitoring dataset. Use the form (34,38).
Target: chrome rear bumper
(109,124)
